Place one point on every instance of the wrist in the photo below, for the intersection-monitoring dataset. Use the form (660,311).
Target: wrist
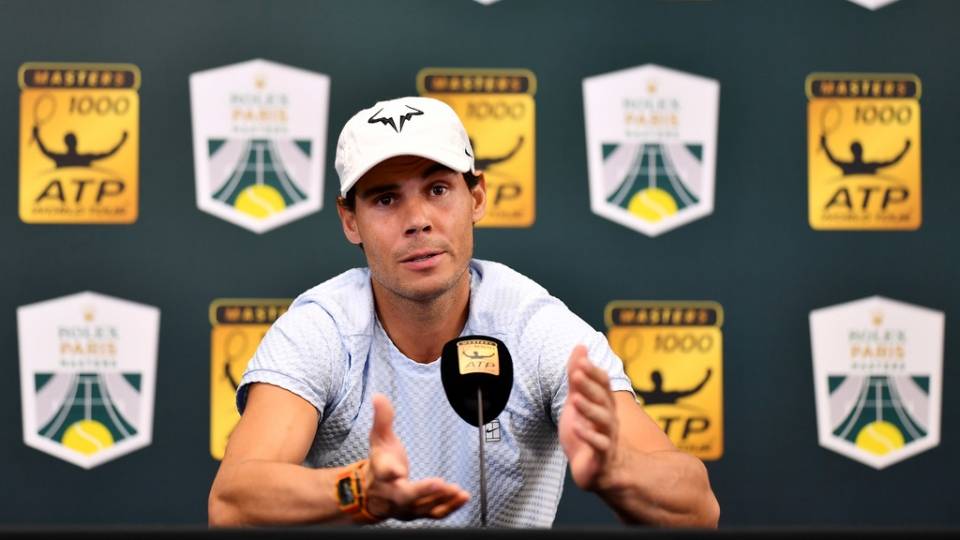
(613,479)
(617,486)
(352,485)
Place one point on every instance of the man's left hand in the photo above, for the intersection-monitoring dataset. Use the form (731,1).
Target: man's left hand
(588,424)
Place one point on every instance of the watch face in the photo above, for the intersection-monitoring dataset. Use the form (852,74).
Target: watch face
(345,492)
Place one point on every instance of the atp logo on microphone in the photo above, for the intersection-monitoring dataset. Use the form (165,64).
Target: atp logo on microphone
(478,356)
(79,143)
(863,145)
(673,354)
(497,109)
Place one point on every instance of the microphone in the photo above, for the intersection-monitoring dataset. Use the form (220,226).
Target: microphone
(477,376)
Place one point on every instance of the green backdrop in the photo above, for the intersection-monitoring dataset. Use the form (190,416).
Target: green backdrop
(755,254)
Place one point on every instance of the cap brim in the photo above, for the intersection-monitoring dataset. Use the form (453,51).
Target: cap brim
(445,157)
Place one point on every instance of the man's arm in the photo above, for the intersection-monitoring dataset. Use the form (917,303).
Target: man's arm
(112,151)
(823,144)
(617,451)
(262,480)
(889,162)
(36,137)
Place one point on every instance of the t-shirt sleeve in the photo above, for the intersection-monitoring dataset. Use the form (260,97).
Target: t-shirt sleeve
(301,352)
(561,331)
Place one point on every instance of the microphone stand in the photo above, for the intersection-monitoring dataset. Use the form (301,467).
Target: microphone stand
(483,477)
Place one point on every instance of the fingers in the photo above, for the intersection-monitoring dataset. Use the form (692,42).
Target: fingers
(425,488)
(382,430)
(592,399)
(603,418)
(598,441)
(433,487)
(580,351)
(441,501)
(592,382)
(431,498)
(580,361)
(387,457)
(444,509)
(596,374)
(386,466)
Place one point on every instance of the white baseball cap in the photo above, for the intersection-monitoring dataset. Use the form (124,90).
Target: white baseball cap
(414,126)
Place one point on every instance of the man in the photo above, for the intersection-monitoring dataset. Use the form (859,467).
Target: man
(344,418)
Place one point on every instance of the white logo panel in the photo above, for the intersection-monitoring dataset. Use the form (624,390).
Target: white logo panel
(259,136)
(87,376)
(651,146)
(878,368)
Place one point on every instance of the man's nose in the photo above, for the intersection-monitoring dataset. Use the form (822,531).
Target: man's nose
(417,217)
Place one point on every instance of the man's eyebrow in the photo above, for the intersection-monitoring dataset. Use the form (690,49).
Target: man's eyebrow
(435,168)
(377,190)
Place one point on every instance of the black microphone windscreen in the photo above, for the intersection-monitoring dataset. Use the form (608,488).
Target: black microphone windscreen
(473,362)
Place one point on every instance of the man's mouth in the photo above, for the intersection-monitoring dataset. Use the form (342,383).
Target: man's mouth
(421,256)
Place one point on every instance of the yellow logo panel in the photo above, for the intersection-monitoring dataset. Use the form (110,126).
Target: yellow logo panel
(478,356)
(673,354)
(79,143)
(863,143)
(497,108)
(238,327)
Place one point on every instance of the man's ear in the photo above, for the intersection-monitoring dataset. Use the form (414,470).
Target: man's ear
(479,194)
(348,220)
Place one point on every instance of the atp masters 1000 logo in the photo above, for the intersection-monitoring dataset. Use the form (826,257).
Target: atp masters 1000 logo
(497,109)
(877,368)
(863,151)
(87,370)
(238,326)
(673,354)
(651,146)
(79,143)
(259,135)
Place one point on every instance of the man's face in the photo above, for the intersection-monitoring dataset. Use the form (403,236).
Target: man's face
(415,220)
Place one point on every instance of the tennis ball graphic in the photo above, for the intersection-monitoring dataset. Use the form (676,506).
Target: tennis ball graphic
(879,438)
(259,201)
(87,437)
(652,204)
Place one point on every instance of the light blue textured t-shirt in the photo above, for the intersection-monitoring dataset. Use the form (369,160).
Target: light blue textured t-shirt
(331,350)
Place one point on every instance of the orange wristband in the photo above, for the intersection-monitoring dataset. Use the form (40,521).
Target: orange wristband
(350,495)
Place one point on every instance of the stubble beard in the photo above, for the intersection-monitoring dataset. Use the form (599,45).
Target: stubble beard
(420,297)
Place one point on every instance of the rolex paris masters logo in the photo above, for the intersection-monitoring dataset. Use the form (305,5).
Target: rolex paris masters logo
(651,146)
(87,370)
(877,367)
(259,134)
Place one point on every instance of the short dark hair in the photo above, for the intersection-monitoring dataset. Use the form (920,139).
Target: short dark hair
(350,201)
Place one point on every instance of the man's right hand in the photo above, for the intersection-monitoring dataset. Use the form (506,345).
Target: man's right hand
(390,493)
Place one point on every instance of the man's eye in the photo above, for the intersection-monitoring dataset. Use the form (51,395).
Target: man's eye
(384,200)
(438,189)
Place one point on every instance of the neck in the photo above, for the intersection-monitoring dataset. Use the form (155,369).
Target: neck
(419,329)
